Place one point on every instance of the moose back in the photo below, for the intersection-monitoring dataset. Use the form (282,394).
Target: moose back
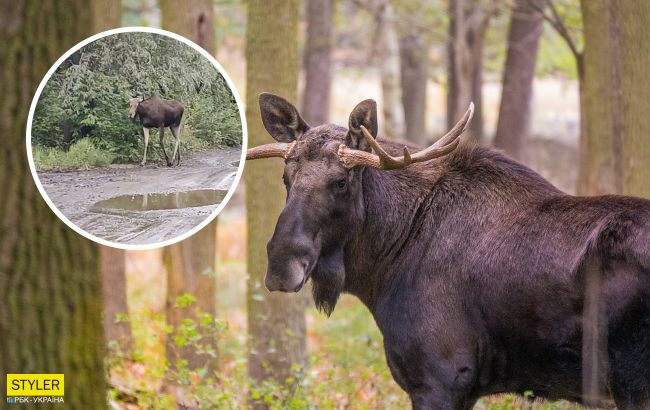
(482,277)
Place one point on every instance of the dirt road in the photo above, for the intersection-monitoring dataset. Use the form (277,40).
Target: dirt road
(130,204)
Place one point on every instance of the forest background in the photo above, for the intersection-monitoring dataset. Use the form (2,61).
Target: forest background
(561,85)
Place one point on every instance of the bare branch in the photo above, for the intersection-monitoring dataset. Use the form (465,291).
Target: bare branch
(558,24)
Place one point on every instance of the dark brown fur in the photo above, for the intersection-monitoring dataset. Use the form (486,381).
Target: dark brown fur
(154,112)
(474,267)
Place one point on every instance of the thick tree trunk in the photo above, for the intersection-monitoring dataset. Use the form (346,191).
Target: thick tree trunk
(615,152)
(413,59)
(276,322)
(190,266)
(601,167)
(113,265)
(50,287)
(467,27)
(635,92)
(316,97)
(389,69)
(192,19)
(513,128)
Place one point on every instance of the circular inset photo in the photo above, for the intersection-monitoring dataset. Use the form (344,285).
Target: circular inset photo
(136,138)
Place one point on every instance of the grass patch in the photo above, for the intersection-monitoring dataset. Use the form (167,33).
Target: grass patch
(83,154)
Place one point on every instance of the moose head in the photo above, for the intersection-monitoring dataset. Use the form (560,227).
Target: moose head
(323,176)
(133,106)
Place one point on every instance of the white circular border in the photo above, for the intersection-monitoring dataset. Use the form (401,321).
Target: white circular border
(242,158)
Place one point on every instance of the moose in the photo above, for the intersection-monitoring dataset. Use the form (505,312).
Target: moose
(482,276)
(155,112)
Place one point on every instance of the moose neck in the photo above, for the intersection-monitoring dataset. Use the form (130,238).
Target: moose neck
(390,207)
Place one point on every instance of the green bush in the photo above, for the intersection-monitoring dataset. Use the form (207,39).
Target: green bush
(82,154)
(87,96)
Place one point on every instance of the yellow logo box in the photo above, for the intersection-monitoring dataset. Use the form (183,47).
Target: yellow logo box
(35,385)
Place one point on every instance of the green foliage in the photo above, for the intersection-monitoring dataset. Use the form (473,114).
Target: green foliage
(87,96)
(82,154)
(347,367)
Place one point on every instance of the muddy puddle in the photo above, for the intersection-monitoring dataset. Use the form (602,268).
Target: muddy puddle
(160,201)
(137,205)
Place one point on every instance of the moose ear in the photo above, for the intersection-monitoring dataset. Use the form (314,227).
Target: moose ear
(365,113)
(281,119)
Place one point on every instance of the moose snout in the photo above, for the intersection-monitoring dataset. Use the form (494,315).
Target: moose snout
(290,278)
(289,263)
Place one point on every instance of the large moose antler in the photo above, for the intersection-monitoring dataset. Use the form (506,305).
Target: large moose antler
(382,160)
(278,149)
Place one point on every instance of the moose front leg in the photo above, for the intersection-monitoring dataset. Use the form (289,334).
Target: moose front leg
(146,143)
(176,132)
(162,145)
(437,374)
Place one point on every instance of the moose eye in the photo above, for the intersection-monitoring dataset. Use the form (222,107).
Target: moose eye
(341,184)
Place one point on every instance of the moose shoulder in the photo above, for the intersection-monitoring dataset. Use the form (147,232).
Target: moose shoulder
(482,277)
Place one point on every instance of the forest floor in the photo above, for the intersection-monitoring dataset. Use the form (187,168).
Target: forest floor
(131,204)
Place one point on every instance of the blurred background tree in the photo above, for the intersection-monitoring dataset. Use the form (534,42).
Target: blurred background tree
(276,322)
(190,264)
(513,128)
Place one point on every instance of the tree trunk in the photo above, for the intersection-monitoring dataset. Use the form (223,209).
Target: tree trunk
(190,263)
(389,69)
(113,263)
(635,92)
(616,90)
(192,19)
(413,59)
(513,128)
(106,14)
(276,322)
(50,287)
(190,266)
(316,97)
(601,167)
(467,27)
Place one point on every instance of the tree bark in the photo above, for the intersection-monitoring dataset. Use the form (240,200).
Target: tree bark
(113,265)
(190,263)
(634,31)
(389,69)
(50,287)
(615,152)
(316,97)
(413,59)
(190,266)
(601,168)
(106,14)
(467,27)
(276,322)
(192,19)
(513,127)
